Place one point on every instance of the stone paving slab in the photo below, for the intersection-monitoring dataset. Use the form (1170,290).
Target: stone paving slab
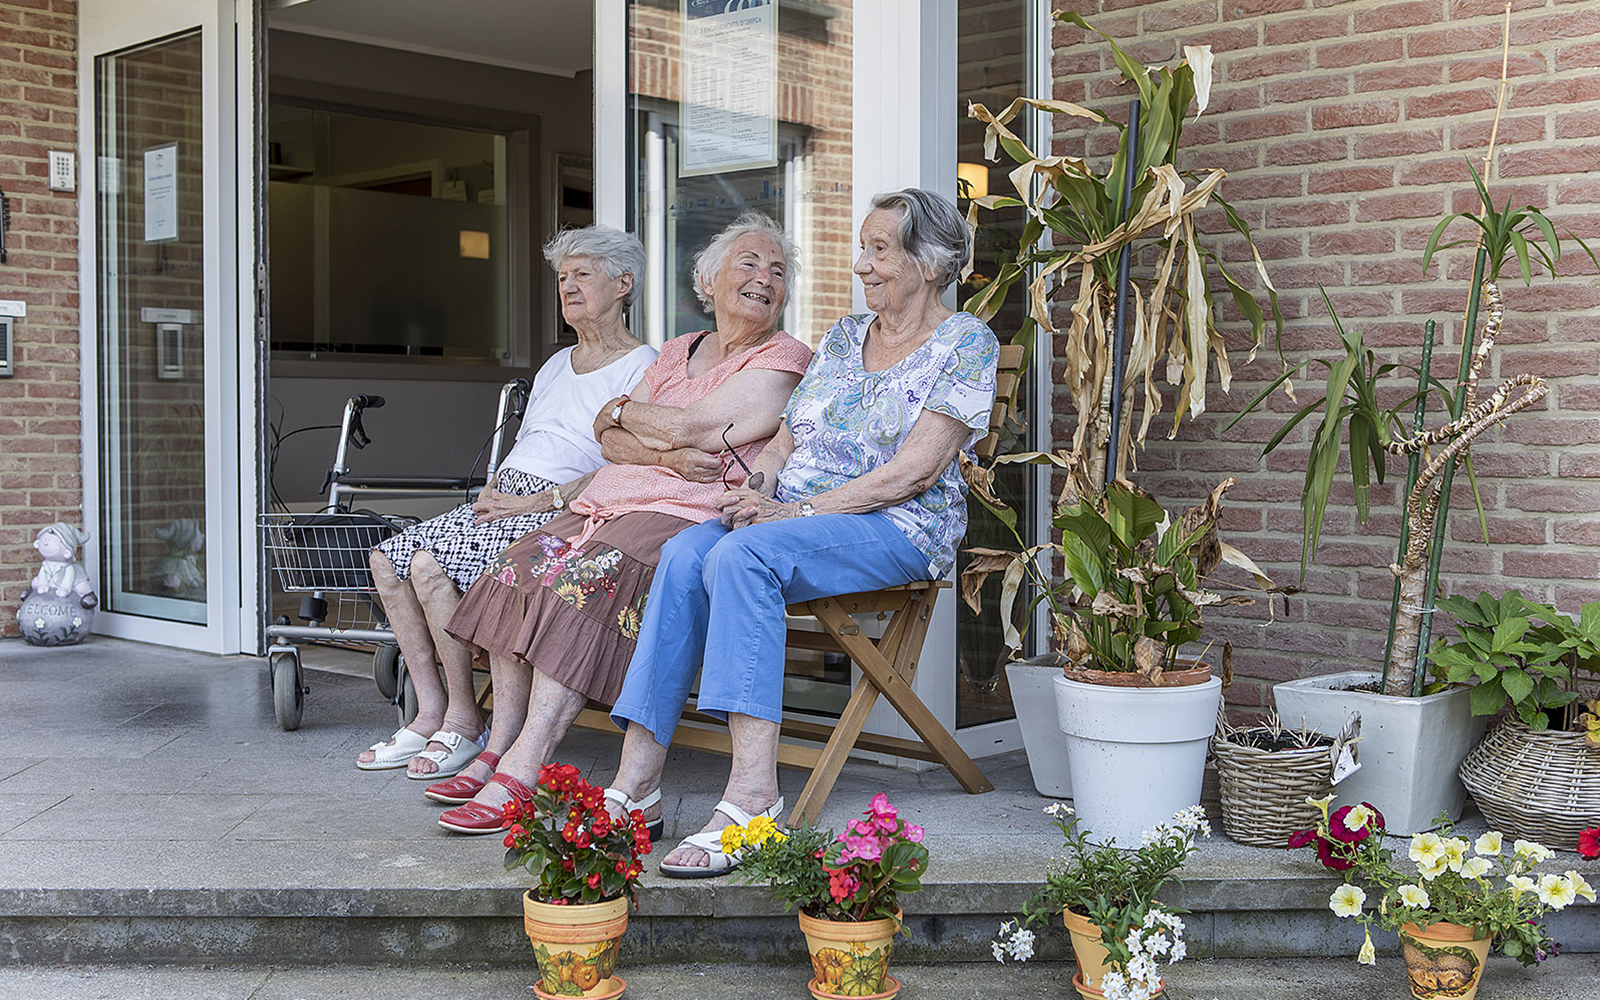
(1566,978)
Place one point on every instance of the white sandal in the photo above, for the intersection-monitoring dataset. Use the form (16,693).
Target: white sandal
(711,842)
(396,751)
(655,826)
(452,761)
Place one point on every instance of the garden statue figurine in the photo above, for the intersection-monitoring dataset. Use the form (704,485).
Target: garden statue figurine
(58,607)
(178,568)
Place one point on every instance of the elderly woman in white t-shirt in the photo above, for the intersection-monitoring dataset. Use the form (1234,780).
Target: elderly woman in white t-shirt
(422,572)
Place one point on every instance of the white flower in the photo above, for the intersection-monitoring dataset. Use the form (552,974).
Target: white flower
(1488,844)
(1346,900)
(1580,886)
(1115,986)
(999,951)
(1193,819)
(1455,852)
(1555,891)
(1433,871)
(1427,849)
(1521,883)
(1474,867)
(1021,946)
(1532,850)
(38,623)
(1179,951)
(1414,896)
(77,622)
(1357,818)
(1157,943)
(1368,955)
(1058,809)
(1014,940)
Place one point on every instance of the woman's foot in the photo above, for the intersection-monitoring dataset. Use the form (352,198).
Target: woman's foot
(398,751)
(459,790)
(444,757)
(688,856)
(619,804)
(483,813)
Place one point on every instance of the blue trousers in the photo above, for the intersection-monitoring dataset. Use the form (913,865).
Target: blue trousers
(718,600)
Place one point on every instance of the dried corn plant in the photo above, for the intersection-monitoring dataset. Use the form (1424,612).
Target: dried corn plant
(1172,321)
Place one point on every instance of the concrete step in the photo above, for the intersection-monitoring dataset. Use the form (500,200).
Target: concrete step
(1570,977)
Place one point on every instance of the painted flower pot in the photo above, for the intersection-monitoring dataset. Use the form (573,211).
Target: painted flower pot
(1137,755)
(576,947)
(1443,960)
(851,958)
(1091,955)
(1410,747)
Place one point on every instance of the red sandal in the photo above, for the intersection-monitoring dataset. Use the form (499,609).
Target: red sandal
(476,818)
(459,790)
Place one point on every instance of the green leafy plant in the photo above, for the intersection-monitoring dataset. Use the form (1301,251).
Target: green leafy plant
(568,841)
(1523,233)
(1480,885)
(1519,653)
(1135,576)
(1172,312)
(859,875)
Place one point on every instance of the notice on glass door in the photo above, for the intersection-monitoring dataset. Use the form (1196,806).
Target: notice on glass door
(161,193)
(729,86)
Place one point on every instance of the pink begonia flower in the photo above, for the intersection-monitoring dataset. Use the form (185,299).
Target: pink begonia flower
(913,833)
(881,809)
(861,848)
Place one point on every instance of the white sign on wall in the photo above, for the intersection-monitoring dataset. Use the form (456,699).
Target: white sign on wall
(161,193)
(729,86)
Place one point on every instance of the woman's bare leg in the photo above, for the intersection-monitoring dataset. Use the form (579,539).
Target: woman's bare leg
(752,782)
(437,595)
(513,682)
(551,708)
(410,626)
(639,772)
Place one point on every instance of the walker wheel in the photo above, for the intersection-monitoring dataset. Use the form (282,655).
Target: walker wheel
(288,688)
(386,669)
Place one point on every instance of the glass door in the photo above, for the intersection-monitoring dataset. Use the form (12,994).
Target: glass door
(170,425)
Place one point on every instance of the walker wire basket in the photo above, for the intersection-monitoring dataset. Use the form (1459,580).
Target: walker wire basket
(1264,790)
(326,553)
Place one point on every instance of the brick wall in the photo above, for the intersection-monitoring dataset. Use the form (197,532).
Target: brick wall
(40,479)
(1345,129)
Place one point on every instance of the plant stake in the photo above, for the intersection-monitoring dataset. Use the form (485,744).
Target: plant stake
(1119,336)
(1411,481)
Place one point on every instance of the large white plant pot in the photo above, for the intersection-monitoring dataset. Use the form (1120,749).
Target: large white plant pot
(1136,755)
(1410,747)
(1033,697)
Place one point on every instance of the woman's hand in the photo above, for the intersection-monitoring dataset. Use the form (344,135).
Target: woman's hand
(744,506)
(492,505)
(694,465)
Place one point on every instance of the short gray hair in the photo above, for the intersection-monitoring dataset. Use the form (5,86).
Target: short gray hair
(618,252)
(708,262)
(932,232)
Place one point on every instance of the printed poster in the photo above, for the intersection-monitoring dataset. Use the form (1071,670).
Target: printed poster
(161,193)
(729,86)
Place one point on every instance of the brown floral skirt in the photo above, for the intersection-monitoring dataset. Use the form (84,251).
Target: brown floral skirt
(571,613)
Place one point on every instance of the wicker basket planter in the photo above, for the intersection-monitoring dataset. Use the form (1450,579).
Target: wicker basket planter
(1542,786)
(1264,792)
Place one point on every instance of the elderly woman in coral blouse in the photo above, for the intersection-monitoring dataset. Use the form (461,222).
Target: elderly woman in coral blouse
(860,489)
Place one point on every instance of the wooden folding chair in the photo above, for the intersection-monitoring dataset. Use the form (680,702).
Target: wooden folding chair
(888,665)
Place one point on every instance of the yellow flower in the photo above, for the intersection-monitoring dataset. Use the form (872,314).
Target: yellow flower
(1368,955)
(1346,900)
(1414,896)
(1555,891)
(1427,849)
(1520,883)
(1357,818)
(1489,844)
(732,838)
(1532,850)
(1455,852)
(760,830)
(1580,886)
(1474,868)
(1433,871)
(571,593)
(1322,804)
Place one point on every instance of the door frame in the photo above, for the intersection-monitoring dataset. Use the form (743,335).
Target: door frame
(233,384)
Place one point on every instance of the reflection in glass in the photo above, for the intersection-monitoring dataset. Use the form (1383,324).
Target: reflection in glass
(149,232)
(387,237)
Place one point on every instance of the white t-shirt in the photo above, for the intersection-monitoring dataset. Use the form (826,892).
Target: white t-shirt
(556,441)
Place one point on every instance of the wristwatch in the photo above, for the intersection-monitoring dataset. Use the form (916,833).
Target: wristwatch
(555,498)
(616,411)
(806,510)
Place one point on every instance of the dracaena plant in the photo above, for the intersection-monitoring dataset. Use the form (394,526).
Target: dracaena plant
(1135,582)
(1519,654)
(1172,320)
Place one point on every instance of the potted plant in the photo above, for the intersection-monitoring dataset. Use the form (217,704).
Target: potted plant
(1107,899)
(1135,718)
(1537,774)
(587,868)
(1449,901)
(847,890)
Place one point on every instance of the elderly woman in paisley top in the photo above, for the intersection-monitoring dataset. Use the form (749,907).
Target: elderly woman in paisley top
(559,611)
(860,489)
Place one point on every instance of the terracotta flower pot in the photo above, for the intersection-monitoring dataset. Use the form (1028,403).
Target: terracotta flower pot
(851,958)
(1090,952)
(1443,960)
(576,947)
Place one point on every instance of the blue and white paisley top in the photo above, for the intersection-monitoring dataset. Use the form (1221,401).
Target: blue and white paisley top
(847,421)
